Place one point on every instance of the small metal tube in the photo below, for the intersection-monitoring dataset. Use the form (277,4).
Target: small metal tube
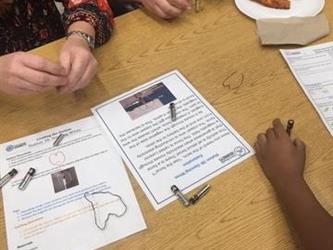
(173,112)
(290,126)
(27,178)
(58,140)
(202,192)
(4,180)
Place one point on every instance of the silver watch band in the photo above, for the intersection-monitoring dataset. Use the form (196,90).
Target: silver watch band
(88,38)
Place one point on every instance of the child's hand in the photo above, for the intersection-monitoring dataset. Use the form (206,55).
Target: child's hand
(281,159)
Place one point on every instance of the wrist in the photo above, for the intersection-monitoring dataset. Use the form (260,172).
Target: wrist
(287,183)
(85,38)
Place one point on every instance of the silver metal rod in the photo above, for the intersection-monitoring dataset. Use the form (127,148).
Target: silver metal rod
(290,126)
(173,112)
(58,140)
(202,192)
(27,178)
(7,177)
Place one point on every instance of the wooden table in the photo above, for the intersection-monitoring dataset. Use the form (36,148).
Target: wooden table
(218,51)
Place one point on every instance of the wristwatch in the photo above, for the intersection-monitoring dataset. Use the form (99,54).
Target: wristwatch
(88,38)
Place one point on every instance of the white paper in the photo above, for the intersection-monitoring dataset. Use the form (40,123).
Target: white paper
(160,153)
(52,212)
(313,69)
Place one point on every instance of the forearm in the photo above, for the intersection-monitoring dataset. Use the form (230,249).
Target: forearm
(90,18)
(82,26)
(312,222)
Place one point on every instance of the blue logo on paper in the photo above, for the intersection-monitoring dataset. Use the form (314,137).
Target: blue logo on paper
(10,148)
(240,151)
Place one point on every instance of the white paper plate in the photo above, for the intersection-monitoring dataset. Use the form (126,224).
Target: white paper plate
(298,8)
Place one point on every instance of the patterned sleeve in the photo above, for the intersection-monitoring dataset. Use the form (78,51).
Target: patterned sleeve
(95,12)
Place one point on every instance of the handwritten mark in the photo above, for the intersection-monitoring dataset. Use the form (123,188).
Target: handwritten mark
(57,158)
(234,81)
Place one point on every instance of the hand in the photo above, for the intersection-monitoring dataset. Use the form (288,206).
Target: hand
(25,74)
(166,9)
(79,62)
(281,159)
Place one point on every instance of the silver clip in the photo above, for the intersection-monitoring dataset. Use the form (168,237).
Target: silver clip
(180,195)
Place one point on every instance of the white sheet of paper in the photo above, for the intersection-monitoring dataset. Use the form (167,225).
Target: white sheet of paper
(52,212)
(313,69)
(188,152)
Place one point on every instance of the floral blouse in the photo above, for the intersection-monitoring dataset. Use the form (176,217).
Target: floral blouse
(28,24)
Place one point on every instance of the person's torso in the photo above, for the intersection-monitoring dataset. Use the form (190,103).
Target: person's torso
(29,24)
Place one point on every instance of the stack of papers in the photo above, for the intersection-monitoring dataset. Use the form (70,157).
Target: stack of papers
(81,193)
(52,212)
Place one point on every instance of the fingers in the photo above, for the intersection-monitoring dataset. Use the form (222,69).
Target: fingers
(257,148)
(160,12)
(41,78)
(31,86)
(24,87)
(169,10)
(85,79)
(65,61)
(77,70)
(278,128)
(180,4)
(261,139)
(42,64)
(87,76)
(270,134)
(24,80)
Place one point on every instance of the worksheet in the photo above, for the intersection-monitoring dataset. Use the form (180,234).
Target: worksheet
(313,69)
(80,196)
(186,145)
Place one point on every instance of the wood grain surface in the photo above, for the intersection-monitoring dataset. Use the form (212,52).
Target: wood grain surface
(219,53)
